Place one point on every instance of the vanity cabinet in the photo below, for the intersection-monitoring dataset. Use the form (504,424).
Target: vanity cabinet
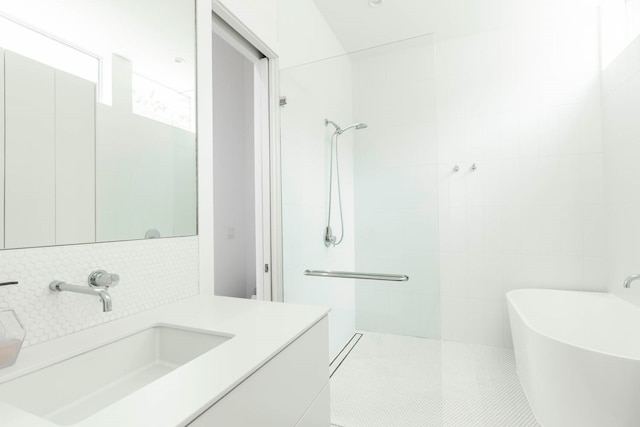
(290,390)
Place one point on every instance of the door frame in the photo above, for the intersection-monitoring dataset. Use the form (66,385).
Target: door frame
(268,132)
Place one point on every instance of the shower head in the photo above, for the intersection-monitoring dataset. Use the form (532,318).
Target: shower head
(340,131)
(355,125)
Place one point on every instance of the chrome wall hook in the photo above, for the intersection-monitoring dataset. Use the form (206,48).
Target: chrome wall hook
(474,167)
(456,168)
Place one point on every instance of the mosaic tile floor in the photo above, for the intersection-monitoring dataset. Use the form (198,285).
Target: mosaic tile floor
(396,381)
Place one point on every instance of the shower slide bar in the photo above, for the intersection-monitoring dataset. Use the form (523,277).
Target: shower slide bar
(354,275)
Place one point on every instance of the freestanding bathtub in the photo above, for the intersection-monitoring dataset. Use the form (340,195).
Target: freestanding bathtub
(577,356)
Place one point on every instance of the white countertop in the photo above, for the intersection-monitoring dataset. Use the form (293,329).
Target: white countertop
(261,330)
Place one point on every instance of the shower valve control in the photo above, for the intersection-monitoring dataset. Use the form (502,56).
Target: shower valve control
(329,238)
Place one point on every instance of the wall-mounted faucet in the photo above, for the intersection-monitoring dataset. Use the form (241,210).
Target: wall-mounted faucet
(99,283)
(632,278)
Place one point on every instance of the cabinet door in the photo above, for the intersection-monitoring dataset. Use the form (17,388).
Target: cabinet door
(75,159)
(281,392)
(318,415)
(30,153)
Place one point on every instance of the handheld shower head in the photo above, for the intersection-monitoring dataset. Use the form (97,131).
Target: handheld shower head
(329,238)
(340,131)
(355,125)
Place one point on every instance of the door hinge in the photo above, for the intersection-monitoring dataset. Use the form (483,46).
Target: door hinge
(266,268)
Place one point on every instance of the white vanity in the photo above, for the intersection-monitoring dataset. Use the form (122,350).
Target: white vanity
(205,361)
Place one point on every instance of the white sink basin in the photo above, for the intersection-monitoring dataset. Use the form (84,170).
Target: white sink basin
(72,390)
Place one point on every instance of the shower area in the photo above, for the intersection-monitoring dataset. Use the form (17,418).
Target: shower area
(360,190)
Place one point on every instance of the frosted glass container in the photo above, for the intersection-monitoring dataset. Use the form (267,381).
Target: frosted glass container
(12,335)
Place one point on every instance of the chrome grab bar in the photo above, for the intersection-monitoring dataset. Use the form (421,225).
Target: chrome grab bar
(353,275)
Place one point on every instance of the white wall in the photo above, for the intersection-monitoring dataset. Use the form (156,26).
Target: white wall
(152,273)
(233,167)
(260,17)
(396,188)
(620,25)
(621,96)
(204,82)
(621,100)
(518,94)
(523,103)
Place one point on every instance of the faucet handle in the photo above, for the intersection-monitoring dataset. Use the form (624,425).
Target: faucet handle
(102,279)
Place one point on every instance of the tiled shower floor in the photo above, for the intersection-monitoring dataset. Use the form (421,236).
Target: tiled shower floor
(395,381)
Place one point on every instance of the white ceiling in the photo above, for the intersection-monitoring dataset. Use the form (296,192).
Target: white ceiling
(359,26)
(150,33)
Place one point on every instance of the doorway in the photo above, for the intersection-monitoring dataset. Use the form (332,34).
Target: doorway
(240,166)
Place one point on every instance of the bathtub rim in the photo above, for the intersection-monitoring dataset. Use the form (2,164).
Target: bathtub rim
(569,343)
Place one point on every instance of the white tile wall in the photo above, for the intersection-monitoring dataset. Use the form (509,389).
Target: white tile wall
(523,104)
(621,92)
(152,272)
(521,101)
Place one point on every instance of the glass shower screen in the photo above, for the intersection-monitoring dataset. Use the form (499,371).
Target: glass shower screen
(388,188)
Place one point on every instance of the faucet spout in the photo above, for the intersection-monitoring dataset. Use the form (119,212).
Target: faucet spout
(105,298)
(102,293)
(632,278)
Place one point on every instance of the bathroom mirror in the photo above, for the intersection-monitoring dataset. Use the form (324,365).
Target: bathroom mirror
(98,117)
